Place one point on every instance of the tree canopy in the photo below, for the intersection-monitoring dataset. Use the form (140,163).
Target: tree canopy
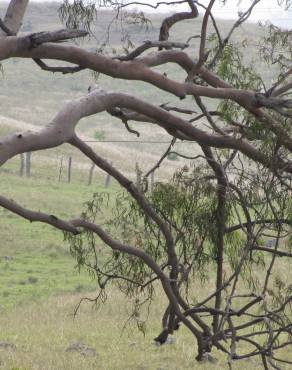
(226,219)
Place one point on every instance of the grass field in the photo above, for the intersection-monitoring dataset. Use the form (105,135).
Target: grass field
(34,260)
(42,331)
(40,288)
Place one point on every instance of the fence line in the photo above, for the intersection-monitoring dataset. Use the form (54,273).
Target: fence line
(27,168)
(66,166)
(28,164)
(22,164)
(61,169)
(69,169)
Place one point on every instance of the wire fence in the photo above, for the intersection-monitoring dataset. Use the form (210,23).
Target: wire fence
(67,165)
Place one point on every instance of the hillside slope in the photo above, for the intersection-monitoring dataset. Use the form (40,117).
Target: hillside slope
(32,96)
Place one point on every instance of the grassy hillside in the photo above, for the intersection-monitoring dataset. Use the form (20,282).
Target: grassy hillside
(34,261)
(25,83)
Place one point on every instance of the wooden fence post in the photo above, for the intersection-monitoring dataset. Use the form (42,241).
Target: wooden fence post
(69,169)
(91,174)
(61,169)
(22,164)
(28,164)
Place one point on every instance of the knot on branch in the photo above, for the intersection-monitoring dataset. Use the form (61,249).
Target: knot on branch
(118,112)
(53,218)
(39,38)
(282,106)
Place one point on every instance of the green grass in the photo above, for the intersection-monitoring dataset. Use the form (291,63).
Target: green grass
(40,263)
(36,276)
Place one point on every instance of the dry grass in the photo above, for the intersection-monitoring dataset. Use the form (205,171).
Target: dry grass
(43,331)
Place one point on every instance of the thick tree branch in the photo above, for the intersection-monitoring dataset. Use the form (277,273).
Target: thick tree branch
(202,54)
(62,127)
(14,15)
(40,38)
(137,70)
(174,18)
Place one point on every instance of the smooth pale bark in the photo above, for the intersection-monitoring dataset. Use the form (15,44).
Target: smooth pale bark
(130,70)
(139,70)
(61,129)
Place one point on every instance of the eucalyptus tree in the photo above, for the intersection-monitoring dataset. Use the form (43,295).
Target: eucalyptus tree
(226,219)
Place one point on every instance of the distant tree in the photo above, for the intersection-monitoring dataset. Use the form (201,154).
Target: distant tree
(226,220)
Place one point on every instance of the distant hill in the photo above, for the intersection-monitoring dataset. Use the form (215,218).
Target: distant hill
(24,82)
